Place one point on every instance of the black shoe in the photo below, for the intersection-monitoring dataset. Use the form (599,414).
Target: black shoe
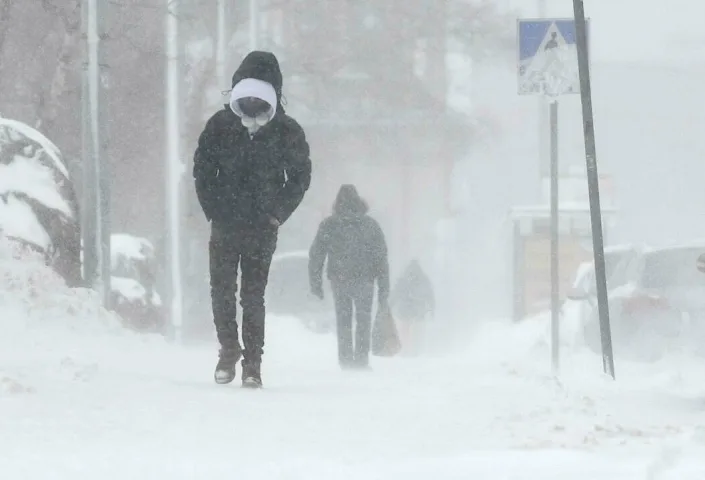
(251,375)
(227,361)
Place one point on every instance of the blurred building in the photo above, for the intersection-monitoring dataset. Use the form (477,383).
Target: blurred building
(368,81)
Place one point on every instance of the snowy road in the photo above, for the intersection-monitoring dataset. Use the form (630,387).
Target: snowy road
(81,398)
(93,405)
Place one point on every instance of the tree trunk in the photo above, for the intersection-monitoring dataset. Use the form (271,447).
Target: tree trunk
(5,22)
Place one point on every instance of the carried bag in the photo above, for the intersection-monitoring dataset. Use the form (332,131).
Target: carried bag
(385,338)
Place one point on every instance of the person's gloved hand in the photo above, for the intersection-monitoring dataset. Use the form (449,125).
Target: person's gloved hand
(317,290)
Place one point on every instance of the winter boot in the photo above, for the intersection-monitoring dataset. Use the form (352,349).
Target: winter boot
(227,361)
(251,376)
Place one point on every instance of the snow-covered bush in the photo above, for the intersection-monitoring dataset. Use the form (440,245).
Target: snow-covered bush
(134,295)
(38,205)
(38,295)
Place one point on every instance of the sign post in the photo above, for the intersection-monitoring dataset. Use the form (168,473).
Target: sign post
(593,186)
(555,218)
(547,66)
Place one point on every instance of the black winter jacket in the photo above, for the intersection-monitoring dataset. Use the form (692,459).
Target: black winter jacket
(354,244)
(241,181)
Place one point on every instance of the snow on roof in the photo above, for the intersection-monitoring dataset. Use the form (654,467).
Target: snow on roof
(47,145)
(695,244)
(625,247)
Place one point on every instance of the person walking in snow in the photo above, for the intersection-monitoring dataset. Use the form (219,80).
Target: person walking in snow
(251,169)
(356,250)
(413,301)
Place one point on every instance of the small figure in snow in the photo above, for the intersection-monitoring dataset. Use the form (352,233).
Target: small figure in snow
(354,244)
(414,302)
(252,169)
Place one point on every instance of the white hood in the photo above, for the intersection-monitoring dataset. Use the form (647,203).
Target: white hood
(252,87)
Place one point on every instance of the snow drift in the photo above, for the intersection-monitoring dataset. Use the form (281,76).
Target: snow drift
(83,398)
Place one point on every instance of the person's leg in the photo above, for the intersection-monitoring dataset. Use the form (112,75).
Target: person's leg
(343,315)
(224,258)
(256,261)
(364,295)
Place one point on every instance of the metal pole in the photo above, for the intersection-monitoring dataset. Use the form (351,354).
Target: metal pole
(95,228)
(174,168)
(222,45)
(103,164)
(555,218)
(544,168)
(254,24)
(593,186)
(89,209)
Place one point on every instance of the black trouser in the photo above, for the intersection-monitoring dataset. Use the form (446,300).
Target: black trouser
(360,296)
(252,251)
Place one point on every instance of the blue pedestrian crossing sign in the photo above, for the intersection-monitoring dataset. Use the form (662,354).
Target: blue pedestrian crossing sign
(547,57)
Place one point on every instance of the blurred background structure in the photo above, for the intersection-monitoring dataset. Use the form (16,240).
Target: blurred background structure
(414,102)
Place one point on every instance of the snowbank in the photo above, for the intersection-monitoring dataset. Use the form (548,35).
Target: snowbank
(84,399)
(27,284)
(45,326)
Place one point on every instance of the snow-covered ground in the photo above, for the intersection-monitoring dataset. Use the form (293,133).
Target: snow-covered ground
(82,399)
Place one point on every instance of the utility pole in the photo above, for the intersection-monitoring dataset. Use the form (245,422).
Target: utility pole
(95,228)
(222,44)
(174,168)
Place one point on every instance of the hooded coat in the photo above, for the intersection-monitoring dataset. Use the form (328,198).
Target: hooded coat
(245,180)
(353,243)
(413,295)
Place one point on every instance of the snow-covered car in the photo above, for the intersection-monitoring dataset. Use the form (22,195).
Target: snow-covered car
(288,293)
(656,296)
(133,283)
(582,296)
(38,205)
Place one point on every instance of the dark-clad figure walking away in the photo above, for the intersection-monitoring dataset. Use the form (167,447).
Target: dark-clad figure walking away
(354,244)
(251,169)
(414,301)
